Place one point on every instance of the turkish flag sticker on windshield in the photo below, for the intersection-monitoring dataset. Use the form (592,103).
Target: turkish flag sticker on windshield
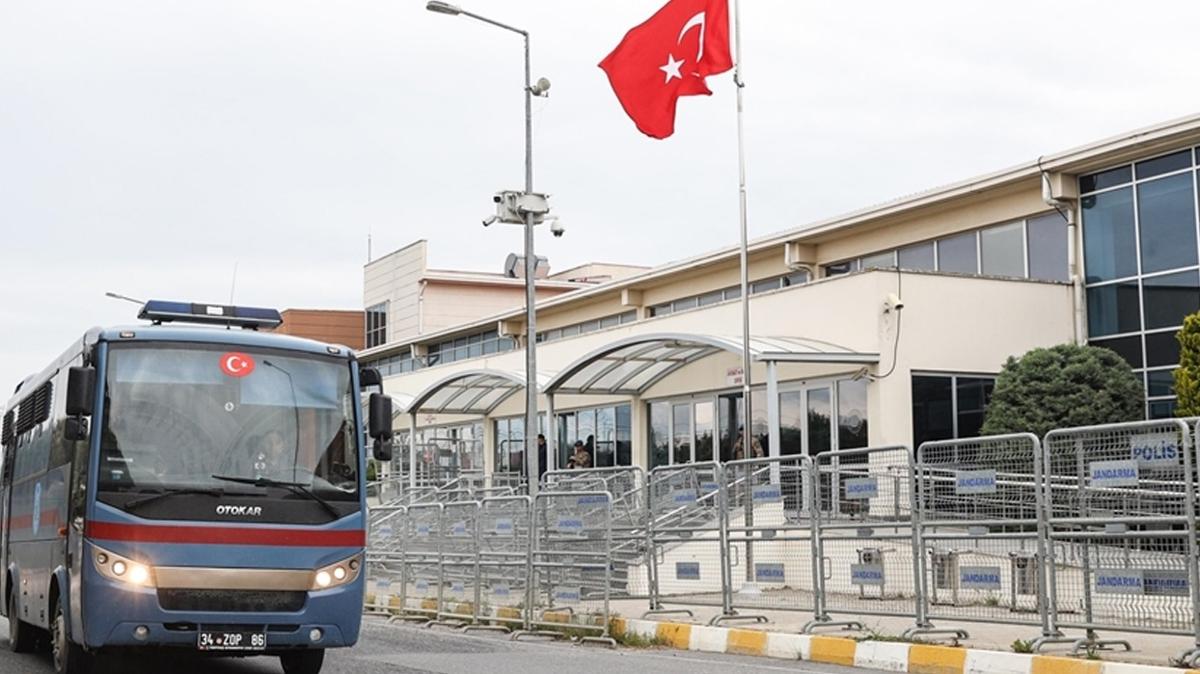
(236,364)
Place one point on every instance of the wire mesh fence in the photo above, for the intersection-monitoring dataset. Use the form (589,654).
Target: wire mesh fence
(1091,528)
(981,524)
(1122,527)
(769,534)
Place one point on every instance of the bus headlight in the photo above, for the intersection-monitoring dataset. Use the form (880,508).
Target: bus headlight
(338,573)
(115,567)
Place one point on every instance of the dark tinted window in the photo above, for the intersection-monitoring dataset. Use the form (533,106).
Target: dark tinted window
(974,393)
(1160,383)
(840,268)
(1167,299)
(1104,179)
(1113,309)
(1129,348)
(1162,409)
(1160,165)
(1108,240)
(1048,248)
(1161,349)
(932,409)
(1167,218)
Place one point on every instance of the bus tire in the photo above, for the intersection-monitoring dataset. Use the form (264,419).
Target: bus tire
(303,662)
(21,635)
(68,657)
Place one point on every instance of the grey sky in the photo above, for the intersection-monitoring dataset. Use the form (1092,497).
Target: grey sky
(145,147)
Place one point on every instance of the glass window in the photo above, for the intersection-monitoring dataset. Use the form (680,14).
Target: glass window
(1161,165)
(1168,299)
(589,326)
(883,260)
(1162,348)
(704,431)
(839,268)
(1129,348)
(376,323)
(933,409)
(764,285)
(605,454)
(733,293)
(681,429)
(628,317)
(1003,250)
(919,257)
(796,278)
(624,435)
(1167,220)
(1113,309)
(820,421)
(958,254)
(610,321)
(1105,179)
(660,434)
(852,414)
(1048,248)
(1160,383)
(1162,409)
(973,394)
(1108,240)
(684,304)
(660,310)
(791,423)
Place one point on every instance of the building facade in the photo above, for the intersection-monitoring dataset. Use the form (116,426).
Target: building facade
(883,326)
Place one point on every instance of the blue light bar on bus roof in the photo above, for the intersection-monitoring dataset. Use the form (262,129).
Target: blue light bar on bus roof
(161,311)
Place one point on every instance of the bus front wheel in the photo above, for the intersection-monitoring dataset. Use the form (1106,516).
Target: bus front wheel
(69,657)
(303,662)
(21,637)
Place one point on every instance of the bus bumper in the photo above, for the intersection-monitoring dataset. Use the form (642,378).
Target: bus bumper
(114,613)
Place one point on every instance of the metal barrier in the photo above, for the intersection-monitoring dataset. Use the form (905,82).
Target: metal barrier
(1122,526)
(421,572)
(505,528)
(769,534)
(459,547)
(981,514)
(384,558)
(687,538)
(569,559)
(630,519)
(868,543)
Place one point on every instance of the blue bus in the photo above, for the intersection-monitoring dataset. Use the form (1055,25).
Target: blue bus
(189,486)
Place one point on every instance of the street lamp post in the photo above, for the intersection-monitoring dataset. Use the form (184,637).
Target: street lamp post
(528,220)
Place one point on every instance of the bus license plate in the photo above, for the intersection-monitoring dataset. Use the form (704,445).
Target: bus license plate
(213,640)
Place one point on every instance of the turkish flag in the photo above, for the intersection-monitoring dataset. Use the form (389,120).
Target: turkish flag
(666,57)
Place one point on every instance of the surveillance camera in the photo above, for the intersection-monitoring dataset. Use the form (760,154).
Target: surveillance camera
(541,87)
(489,220)
(497,198)
(556,228)
(893,302)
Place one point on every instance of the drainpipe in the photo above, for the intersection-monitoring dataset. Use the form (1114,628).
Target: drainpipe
(1067,208)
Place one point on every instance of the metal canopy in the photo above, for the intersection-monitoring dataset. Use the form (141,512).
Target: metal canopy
(630,366)
(467,392)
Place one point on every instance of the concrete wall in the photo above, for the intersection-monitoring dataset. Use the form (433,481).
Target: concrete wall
(445,305)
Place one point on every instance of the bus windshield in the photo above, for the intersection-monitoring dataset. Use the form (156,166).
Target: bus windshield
(181,416)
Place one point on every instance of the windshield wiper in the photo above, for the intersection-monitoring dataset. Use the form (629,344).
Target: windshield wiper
(295,487)
(136,503)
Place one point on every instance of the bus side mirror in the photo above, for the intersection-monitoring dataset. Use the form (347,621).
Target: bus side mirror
(81,391)
(368,377)
(383,449)
(379,420)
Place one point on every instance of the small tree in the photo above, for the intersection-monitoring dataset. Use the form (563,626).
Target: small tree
(1187,375)
(1065,385)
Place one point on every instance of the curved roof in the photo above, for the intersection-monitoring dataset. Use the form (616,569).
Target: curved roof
(634,364)
(468,392)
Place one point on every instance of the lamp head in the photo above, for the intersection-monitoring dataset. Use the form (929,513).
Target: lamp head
(443,7)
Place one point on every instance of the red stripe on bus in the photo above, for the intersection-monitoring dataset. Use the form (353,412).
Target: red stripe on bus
(144,533)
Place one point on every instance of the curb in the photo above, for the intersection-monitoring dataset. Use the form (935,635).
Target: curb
(889,656)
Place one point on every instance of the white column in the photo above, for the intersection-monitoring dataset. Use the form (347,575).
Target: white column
(772,409)
(551,435)
(412,450)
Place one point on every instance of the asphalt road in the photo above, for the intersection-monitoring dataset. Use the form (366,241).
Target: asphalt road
(386,649)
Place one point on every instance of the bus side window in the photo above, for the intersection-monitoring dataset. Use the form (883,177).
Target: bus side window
(61,448)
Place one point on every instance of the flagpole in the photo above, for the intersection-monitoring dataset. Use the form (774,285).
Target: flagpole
(747,433)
